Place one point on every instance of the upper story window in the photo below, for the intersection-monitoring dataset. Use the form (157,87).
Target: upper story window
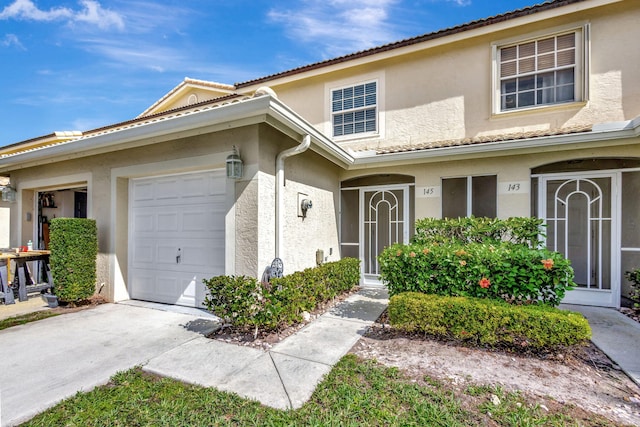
(354,109)
(539,72)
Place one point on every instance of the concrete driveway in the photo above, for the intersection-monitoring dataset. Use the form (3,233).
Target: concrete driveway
(49,360)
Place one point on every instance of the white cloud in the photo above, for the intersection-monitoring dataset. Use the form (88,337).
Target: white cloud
(342,26)
(12,40)
(140,55)
(27,10)
(91,12)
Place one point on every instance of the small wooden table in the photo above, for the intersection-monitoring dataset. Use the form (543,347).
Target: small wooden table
(22,277)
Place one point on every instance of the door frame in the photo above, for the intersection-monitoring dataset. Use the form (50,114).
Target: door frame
(374,279)
(595,297)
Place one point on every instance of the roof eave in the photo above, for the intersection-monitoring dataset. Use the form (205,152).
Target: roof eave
(263,109)
(600,135)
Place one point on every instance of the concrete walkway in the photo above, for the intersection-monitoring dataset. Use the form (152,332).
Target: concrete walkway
(616,335)
(286,376)
(47,361)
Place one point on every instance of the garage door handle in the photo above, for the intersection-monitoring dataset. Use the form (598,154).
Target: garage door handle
(179,256)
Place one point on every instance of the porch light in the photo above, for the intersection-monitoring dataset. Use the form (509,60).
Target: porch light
(8,194)
(234,165)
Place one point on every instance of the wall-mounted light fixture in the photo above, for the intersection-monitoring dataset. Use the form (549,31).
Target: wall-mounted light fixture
(305,205)
(234,165)
(8,194)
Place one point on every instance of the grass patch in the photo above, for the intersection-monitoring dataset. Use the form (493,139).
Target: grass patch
(26,318)
(357,392)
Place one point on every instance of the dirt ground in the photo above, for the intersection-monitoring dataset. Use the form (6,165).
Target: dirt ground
(586,378)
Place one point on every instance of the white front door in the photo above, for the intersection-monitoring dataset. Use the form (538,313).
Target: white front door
(176,236)
(385,221)
(581,217)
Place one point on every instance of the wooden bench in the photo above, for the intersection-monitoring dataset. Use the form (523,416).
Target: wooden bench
(24,280)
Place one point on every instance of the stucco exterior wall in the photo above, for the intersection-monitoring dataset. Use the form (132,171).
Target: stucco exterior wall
(251,208)
(311,177)
(306,173)
(445,92)
(108,193)
(509,169)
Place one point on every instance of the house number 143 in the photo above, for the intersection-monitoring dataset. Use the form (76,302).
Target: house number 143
(517,187)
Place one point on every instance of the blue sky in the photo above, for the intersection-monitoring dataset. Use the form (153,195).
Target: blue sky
(83,64)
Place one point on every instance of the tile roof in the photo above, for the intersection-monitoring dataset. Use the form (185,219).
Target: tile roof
(483,140)
(139,121)
(189,81)
(529,10)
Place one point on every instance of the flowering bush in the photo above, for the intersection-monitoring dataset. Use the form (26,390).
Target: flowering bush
(478,257)
(514,273)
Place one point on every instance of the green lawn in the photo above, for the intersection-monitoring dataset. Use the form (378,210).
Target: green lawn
(356,393)
(26,318)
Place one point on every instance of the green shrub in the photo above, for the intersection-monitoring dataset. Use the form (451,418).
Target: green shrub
(74,247)
(245,302)
(478,257)
(489,323)
(514,273)
(518,230)
(634,294)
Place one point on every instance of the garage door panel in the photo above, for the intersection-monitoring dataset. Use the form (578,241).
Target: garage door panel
(172,288)
(142,191)
(196,255)
(200,218)
(195,187)
(182,215)
(144,283)
(167,189)
(166,254)
(217,184)
(143,253)
(144,222)
(167,287)
(168,221)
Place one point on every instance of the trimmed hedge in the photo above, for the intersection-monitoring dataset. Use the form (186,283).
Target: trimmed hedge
(486,322)
(74,247)
(514,273)
(245,302)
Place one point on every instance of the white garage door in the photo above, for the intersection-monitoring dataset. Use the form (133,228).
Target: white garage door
(176,236)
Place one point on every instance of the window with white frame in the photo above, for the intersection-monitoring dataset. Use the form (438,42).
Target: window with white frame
(354,109)
(538,72)
(469,195)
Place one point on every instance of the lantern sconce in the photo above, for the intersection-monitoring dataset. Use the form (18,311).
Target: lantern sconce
(234,165)
(8,193)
